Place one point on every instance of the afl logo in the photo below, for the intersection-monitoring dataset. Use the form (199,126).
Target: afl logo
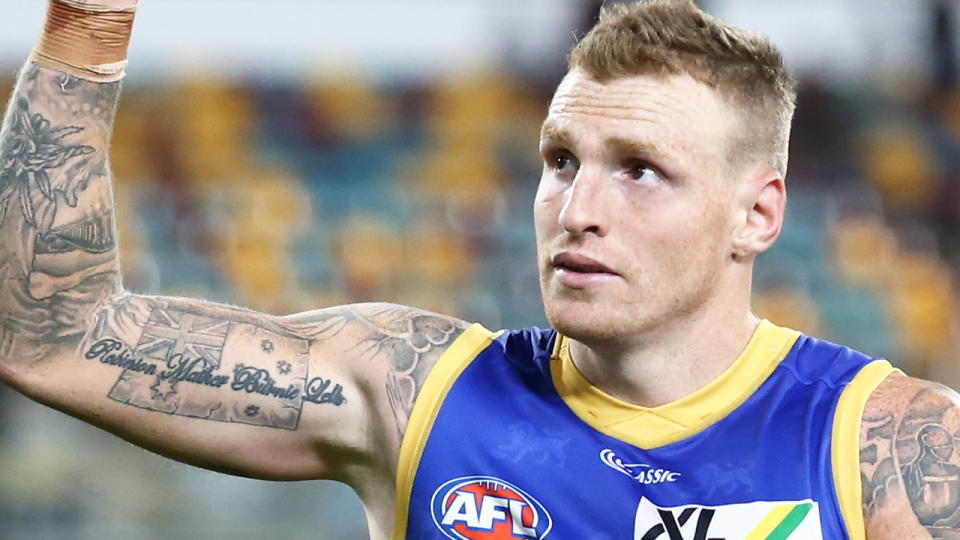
(487,508)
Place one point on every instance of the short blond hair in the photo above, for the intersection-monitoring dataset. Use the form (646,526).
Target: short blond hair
(674,37)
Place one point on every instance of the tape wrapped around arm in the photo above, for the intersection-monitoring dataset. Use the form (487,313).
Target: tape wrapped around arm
(87,39)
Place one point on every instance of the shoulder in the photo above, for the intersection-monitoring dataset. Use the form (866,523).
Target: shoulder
(382,341)
(817,359)
(910,460)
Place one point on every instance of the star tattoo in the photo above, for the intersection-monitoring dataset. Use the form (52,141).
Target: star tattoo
(283,367)
(266,346)
(163,389)
(252,410)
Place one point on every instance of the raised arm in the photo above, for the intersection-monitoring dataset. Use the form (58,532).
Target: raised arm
(324,394)
(910,461)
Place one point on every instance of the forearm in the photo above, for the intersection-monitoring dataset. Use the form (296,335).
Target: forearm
(58,248)
(58,241)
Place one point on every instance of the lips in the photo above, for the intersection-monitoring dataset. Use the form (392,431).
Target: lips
(581,264)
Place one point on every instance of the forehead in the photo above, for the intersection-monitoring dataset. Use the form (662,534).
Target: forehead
(674,111)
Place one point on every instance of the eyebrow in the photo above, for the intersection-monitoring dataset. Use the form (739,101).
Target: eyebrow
(624,147)
(550,131)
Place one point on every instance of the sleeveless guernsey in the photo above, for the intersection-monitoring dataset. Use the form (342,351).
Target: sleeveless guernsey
(508,441)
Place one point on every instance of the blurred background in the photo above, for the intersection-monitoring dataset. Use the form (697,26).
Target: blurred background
(289,155)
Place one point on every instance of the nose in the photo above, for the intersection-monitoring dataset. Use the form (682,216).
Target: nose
(583,211)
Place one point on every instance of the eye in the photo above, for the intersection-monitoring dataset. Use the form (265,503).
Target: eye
(562,162)
(645,174)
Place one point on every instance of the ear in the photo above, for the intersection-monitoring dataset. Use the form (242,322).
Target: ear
(763,201)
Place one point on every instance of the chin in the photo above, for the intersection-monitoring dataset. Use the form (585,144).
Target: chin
(591,322)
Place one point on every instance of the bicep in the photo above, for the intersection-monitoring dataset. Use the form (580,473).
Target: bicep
(393,346)
(910,460)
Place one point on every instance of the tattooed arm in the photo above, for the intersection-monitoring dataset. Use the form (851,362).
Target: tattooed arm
(323,394)
(910,461)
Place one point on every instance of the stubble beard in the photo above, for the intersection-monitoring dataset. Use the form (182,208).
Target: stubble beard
(605,321)
(589,317)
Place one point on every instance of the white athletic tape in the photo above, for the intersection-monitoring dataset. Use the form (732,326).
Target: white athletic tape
(99,6)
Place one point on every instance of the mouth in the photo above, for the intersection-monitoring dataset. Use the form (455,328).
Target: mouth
(573,264)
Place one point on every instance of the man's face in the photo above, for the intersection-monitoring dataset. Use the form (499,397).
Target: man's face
(635,209)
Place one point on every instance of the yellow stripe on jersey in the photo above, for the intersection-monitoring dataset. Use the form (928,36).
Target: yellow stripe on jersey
(845,449)
(770,522)
(658,426)
(441,378)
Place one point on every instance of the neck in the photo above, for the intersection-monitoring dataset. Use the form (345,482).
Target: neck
(670,361)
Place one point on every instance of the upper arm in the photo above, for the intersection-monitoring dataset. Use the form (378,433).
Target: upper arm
(910,460)
(324,394)
(391,349)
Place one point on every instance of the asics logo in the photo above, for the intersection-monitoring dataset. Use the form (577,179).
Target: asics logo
(640,472)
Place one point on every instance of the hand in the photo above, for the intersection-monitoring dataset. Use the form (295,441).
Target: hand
(102,5)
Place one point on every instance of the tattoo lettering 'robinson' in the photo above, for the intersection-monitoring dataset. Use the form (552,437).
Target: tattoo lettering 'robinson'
(225,364)
(198,365)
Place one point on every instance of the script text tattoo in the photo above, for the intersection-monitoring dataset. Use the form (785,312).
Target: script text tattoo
(183,360)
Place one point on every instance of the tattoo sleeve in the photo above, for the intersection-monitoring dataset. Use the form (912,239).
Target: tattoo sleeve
(914,456)
(58,257)
(149,368)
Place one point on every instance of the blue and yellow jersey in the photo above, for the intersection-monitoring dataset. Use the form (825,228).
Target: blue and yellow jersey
(508,441)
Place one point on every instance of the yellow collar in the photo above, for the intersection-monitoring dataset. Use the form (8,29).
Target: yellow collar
(658,426)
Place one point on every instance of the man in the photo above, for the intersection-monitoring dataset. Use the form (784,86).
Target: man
(659,407)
